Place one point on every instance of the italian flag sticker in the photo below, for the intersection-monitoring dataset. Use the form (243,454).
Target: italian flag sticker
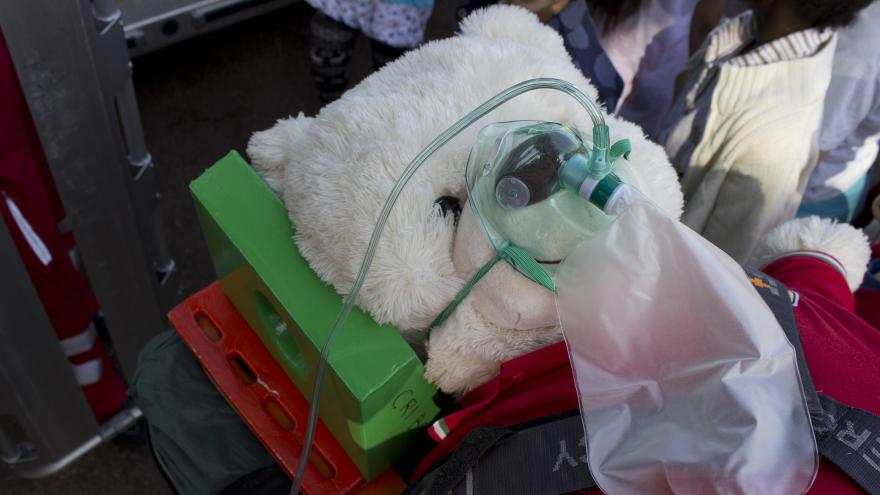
(439,430)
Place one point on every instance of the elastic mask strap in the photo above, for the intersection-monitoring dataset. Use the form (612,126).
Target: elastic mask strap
(523,262)
(518,259)
(465,291)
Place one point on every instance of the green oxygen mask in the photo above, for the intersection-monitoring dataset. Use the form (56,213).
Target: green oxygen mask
(539,188)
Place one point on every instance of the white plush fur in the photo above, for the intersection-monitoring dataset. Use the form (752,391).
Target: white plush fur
(335,170)
(507,315)
(844,242)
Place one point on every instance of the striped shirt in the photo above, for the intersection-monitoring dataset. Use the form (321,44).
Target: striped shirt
(799,44)
(727,42)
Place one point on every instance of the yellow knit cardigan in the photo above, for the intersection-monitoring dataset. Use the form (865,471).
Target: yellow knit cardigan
(759,145)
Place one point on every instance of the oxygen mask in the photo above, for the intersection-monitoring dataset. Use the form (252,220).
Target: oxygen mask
(527,182)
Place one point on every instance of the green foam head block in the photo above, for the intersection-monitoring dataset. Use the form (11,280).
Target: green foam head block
(375,399)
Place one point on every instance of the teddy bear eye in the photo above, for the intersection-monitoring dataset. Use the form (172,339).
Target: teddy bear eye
(449,205)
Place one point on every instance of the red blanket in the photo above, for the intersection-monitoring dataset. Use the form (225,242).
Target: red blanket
(842,351)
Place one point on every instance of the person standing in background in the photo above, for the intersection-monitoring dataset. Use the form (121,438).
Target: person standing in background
(572,19)
(631,50)
(393,26)
(742,128)
(848,140)
(647,42)
(574,22)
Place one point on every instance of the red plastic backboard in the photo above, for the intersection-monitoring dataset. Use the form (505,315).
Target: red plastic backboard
(258,389)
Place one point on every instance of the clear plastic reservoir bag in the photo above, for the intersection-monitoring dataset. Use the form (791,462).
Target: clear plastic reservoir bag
(686,382)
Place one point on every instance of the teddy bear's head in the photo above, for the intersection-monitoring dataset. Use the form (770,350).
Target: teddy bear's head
(334,172)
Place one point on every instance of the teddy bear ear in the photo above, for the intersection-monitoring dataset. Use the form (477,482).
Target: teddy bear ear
(511,23)
(271,150)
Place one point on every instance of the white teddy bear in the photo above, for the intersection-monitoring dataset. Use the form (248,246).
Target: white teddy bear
(334,172)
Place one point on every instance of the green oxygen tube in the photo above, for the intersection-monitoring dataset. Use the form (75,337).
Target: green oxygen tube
(598,166)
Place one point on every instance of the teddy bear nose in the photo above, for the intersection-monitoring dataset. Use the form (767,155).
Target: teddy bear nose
(449,205)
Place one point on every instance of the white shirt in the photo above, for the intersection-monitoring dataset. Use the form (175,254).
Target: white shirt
(648,50)
(851,120)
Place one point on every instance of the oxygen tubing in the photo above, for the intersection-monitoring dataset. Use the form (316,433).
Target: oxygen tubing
(599,165)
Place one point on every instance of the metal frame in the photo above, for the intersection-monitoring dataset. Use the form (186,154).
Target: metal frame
(43,413)
(192,19)
(123,420)
(72,62)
